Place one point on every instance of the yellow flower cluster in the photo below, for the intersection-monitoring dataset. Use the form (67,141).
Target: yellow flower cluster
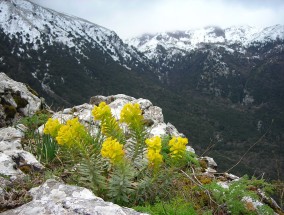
(101,112)
(154,148)
(131,113)
(177,146)
(71,133)
(112,149)
(52,127)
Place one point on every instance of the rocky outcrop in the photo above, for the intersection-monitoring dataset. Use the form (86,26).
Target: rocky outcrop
(57,198)
(154,119)
(16,100)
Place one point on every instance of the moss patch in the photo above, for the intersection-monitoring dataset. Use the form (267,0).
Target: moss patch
(10,111)
(21,102)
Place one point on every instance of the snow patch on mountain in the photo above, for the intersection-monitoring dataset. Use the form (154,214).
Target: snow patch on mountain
(184,41)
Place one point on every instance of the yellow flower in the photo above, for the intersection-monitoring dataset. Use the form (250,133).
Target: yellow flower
(51,127)
(154,157)
(178,146)
(101,112)
(131,113)
(154,148)
(112,150)
(154,143)
(71,133)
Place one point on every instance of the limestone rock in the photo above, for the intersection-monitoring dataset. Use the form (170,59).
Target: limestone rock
(96,100)
(190,149)
(7,166)
(16,100)
(57,198)
(144,103)
(12,155)
(10,139)
(116,107)
(154,113)
(231,177)
(210,164)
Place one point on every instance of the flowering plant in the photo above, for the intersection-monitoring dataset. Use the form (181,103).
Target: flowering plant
(113,163)
(112,150)
(52,127)
(178,147)
(154,148)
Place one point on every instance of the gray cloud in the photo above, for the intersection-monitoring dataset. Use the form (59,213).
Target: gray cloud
(132,17)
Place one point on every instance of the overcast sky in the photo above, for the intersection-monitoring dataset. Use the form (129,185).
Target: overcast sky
(130,18)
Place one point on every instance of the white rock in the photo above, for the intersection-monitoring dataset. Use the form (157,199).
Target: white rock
(154,113)
(12,153)
(173,131)
(57,198)
(83,112)
(21,128)
(7,166)
(116,106)
(121,96)
(211,164)
(144,103)
(190,149)
(231,176)
(223,184)
(26,158)
(158,130)
(34,103)
(67,111)
(10,139)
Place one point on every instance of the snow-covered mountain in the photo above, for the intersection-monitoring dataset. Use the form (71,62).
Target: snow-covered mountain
(181,42)
(65,57)
(36,25)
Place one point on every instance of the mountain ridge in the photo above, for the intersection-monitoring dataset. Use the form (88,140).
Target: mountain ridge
(188,40)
